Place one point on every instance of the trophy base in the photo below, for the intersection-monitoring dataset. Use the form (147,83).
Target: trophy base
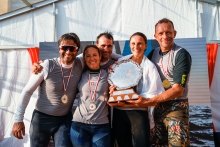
(123,95)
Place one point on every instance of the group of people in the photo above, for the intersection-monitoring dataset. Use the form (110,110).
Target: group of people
(159,117)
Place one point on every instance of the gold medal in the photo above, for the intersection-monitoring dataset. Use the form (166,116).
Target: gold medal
(92,106)
(166,83)
(64,99)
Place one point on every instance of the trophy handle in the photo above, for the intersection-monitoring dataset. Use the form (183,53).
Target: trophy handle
(123,95)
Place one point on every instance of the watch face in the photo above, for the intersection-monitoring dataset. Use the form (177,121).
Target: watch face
(125,74)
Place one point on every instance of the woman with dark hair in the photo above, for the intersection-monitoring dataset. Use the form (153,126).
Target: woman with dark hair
(130,122)
(90,126)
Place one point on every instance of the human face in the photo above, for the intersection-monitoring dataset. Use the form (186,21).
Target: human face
(165,35)
(105,45)
(92,58)
(67,57)
(138,46)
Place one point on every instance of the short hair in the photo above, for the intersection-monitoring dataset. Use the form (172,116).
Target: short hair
(107,34)
(70,36)
(164,20)
(93,46)
(140,34)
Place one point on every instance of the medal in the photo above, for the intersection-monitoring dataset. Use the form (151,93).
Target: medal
(64,99)
(166,83)
(92,106)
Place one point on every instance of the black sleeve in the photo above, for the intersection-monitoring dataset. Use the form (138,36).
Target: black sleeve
(149,56)
(182,67)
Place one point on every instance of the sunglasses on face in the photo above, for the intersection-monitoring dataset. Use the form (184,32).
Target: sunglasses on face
(71,48)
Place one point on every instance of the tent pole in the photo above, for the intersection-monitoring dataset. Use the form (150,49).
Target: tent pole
(196,24)
(54,22)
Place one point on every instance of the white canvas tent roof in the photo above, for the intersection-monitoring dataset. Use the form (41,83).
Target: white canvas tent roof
(47,22)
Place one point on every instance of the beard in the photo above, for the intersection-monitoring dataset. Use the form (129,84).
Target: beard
(68,59)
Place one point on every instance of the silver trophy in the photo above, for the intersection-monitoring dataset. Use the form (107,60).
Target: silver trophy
(125,75)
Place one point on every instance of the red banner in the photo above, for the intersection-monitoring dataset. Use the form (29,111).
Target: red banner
(34,54)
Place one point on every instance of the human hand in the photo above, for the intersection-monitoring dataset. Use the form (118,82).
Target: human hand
(36,67)
(111,68)
(142,102)
(112,89)
(18,130)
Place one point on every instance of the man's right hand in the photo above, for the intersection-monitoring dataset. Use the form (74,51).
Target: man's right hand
(18,130)
(36,67)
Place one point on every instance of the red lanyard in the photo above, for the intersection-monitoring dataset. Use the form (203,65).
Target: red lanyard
(92,96)
(165,72)
(65,85)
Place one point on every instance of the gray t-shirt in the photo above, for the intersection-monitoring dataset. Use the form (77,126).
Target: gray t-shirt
(83,113)
(51,89)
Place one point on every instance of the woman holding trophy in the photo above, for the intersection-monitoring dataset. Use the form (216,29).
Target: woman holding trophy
(130,122)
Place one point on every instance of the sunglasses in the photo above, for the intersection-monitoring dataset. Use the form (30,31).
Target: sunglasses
(71,48)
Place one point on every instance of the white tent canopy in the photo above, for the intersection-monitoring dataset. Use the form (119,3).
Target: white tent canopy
(48,20)
(123,18)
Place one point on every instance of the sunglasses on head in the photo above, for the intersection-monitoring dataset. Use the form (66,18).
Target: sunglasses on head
(71,48)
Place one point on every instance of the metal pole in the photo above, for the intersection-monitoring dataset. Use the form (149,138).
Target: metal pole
(196,24)
(54,22)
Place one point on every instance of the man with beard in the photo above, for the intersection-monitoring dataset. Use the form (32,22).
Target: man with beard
(57,90)
(105,43)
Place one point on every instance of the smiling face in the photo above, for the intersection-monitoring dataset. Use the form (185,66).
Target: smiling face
(138,46)
(67,57)
(92,58)
(165,34)
(105,45)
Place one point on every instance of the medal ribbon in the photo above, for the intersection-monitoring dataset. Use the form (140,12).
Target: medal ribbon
(92,96)
(161,64)
(65,85)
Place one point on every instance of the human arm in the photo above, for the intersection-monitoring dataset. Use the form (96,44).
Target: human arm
(115,56)
(18,128)
(80,56)
(149,86)
(170,94)
(180,76)
(125,104)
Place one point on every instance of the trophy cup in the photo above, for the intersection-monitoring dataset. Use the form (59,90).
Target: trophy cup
(125,75)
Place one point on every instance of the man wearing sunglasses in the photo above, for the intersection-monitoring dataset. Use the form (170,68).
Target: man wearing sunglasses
(68,53)
(105,42)
(57,90)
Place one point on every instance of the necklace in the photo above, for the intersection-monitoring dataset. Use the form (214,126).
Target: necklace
(92,105)
(166,83)
(64,98)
